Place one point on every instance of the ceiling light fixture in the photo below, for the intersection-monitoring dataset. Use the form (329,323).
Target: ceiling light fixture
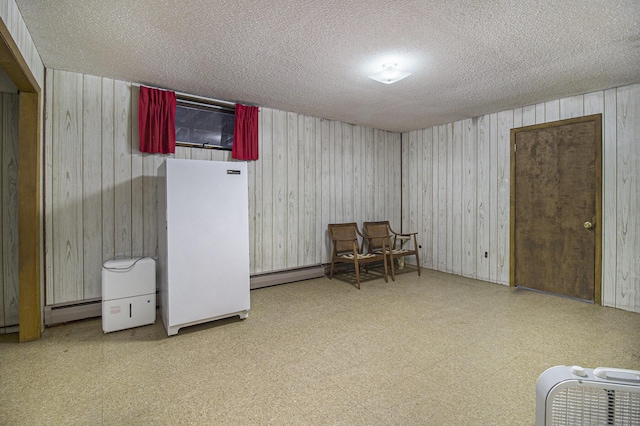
(389,74)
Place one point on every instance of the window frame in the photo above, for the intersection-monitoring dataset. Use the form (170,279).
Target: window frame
(204,104)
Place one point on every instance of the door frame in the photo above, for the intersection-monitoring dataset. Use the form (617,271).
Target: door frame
(29,186)
(597,120)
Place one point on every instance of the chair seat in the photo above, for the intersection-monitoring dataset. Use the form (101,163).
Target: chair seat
(400,251)
(360,256)
(394,251)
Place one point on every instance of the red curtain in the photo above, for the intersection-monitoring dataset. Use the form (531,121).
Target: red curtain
(245,133)
(157,120)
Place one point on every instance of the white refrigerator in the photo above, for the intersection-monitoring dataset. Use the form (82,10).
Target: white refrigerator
(203,241)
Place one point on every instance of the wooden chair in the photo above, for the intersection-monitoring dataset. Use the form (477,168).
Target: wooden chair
(347,250)
(380,235)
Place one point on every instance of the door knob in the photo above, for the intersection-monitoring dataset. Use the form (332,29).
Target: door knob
(588,225)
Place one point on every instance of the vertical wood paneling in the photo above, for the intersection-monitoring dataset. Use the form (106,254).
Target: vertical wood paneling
(517,117)
(92,186)
(347,171)
(456,199)
(435,200)
(594,103)
(483,199)
(394,169)
(529,115)
(267,189)
(333,167)
(257,226)
(48,190)
(382,200)
(379,174)
(609,199)
(443,194)
(628,201)
(300,163)
(552,111)
(108,171)
(449,197)
(392,198)
(369,173)
(571,107)
(425,228)
(469,198)
(493,197)
(312,171)
(291,230)
(309,207)
(338,162)
(325,143)
(359,203)
(137,194)
(122,167)
(9,212)
(67,187)
(414,187)
(406,178)
(150,203)
(306,164)
(320,226)
(505,123)
(280,205)
(621,286)
(540,113)
(253,173)
(411,184)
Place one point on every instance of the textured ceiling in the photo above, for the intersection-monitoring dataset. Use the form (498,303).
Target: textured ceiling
(468,57)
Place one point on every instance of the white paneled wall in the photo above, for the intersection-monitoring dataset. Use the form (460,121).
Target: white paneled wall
(313,172)
(9,211)
(10,15)
(456,190)
(100,191)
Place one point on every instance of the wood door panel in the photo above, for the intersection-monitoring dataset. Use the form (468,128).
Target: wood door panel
(555,186)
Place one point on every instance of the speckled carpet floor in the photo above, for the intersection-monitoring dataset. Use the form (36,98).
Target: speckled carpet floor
(431,350)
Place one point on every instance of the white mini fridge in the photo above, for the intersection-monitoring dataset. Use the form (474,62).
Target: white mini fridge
(128,293)
(203,241)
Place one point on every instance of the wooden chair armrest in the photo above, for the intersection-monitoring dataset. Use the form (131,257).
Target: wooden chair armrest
(406,234)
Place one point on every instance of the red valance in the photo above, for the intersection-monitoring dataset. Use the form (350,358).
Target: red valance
(245,133)
(157,120)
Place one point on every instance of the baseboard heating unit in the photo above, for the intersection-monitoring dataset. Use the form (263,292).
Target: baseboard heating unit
(286,276)
(90,308)
(584,396)
(72,311)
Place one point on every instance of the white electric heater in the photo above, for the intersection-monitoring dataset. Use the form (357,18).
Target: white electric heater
(584,396)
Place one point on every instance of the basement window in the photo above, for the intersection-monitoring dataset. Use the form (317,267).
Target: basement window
(201,124)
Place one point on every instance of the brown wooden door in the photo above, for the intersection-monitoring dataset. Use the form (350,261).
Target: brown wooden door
(555,216)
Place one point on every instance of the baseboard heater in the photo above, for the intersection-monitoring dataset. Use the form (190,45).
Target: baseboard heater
(286,276)
(91,308)
(72,311)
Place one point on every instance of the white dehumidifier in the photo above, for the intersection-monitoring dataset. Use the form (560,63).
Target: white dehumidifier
(128,293)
